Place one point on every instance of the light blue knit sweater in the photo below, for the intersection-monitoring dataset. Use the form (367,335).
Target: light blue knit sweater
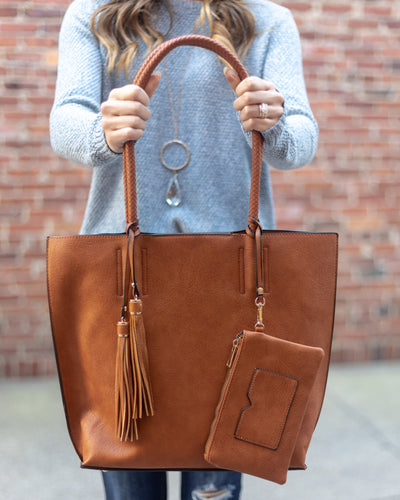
(215,185)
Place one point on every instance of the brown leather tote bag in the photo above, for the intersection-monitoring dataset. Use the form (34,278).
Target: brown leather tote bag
(143,323)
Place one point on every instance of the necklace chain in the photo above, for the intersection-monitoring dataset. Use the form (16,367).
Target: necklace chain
(174,195)
(175,116)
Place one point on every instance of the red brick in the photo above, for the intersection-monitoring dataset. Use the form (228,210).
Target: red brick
(40,42)
(299,6)
(336,8)
(8,42)
(8,101)
(394,25)
(43,13)
(18,27)
(362,23)
(8,12)
(25,57)
(377,10)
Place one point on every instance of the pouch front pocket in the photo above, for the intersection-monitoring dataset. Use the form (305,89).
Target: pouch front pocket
(271,396)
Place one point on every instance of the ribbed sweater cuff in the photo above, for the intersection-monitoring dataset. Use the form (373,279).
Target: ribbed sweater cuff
(272,135)
(100,152)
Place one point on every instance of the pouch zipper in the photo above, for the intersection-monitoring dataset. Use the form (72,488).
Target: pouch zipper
(235,347)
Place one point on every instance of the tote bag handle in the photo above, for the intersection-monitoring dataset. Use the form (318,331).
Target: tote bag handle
(141,79)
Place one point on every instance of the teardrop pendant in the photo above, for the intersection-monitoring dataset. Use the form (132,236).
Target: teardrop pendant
(174,196)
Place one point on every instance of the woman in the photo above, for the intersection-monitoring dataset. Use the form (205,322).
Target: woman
(193,163)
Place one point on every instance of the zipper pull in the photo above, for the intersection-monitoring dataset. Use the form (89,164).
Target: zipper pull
(235,346)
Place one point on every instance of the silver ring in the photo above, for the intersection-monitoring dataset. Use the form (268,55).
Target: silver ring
(169,144)
(263,110)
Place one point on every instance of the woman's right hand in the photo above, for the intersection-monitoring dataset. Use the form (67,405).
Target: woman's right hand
(125,113)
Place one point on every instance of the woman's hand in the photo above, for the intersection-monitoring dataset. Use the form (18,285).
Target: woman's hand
(259,104)
(125,113)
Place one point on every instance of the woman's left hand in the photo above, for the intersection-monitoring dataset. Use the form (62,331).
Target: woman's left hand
(259,104)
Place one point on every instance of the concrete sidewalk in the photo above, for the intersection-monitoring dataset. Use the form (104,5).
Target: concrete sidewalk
(354,454)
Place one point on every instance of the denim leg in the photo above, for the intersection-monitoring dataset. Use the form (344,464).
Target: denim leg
(211,485)
(135,485)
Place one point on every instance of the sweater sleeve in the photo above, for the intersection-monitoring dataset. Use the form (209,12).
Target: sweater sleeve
(292,142)
(76,132)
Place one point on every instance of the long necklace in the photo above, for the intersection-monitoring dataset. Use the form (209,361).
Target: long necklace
(174,193)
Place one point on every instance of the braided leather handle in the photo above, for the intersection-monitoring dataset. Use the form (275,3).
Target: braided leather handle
(141,79)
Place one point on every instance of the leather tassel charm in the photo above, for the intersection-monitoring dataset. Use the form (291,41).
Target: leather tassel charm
(142,393)
(125,427)
(133,394)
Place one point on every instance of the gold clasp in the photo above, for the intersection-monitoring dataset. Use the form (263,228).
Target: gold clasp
(260,303)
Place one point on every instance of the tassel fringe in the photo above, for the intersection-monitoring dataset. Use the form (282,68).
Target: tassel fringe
(143,398)
(134,398)
(123,385)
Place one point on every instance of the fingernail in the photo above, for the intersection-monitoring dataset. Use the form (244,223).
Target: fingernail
(230,74)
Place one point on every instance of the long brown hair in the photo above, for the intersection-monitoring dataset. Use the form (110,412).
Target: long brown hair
(118,23)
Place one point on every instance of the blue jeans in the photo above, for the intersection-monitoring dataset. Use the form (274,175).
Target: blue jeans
(149,485)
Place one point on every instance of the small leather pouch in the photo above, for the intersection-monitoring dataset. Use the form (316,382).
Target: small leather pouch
(262,405)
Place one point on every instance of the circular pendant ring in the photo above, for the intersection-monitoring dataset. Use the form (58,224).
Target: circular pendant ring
(169,144)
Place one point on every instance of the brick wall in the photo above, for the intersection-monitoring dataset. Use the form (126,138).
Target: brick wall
(351,55)
(352,65)
(40,193)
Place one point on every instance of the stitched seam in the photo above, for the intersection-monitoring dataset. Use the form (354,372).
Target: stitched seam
(119,271)
(266,262)
(242,278)
(145,273)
